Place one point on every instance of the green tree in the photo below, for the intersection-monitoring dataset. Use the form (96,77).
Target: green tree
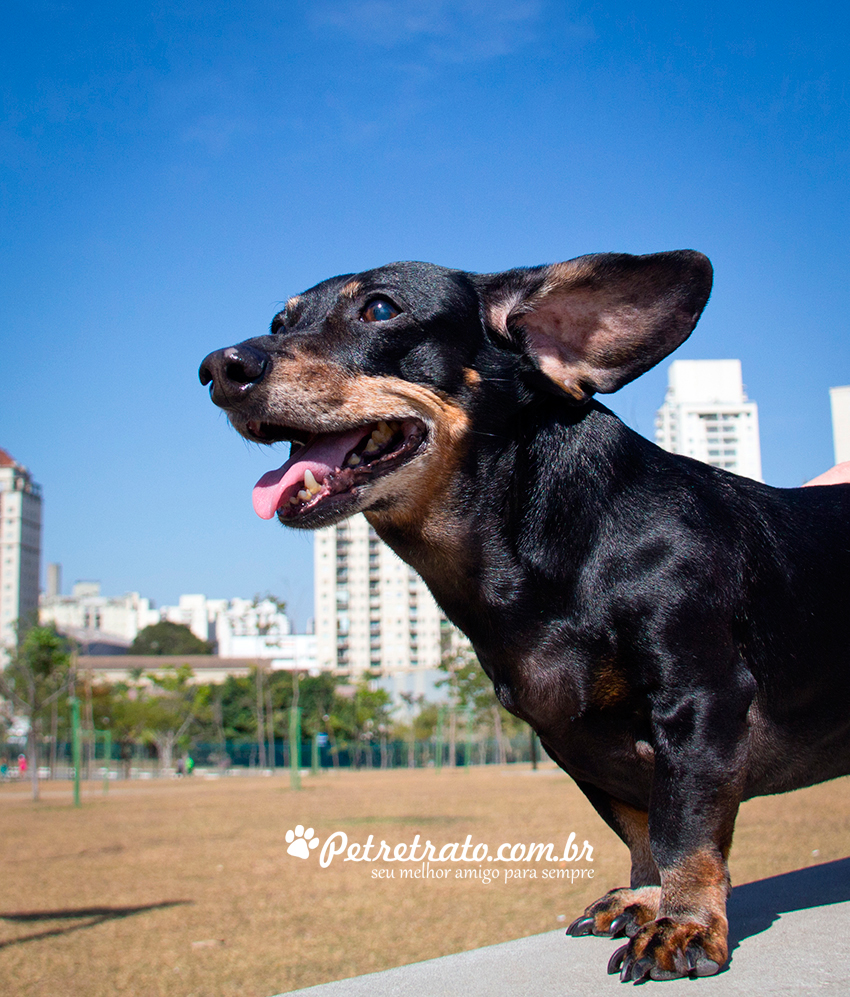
(425,721)
(121,708)
(168,638)
(316,695)
(238,713)
(169,706)
(234,713)
(362,715)
(279,604)
(38,674)
(407,731)
(471,693)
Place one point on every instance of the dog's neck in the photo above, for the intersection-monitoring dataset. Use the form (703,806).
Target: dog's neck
(545,479)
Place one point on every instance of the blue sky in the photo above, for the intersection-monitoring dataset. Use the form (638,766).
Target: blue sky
(173,171)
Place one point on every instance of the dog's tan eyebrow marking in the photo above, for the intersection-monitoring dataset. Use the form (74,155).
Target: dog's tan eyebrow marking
(471,377)
(351,289)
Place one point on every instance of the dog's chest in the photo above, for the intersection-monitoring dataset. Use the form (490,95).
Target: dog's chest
(585,711)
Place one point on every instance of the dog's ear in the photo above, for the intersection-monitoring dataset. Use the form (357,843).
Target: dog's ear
(597,322)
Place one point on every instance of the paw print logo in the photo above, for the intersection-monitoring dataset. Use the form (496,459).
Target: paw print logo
(301,841)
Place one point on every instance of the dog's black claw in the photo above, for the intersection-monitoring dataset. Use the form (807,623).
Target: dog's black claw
(640,970)
(616,960)
(698,962)
(618,926)
(581,926)
(706,967)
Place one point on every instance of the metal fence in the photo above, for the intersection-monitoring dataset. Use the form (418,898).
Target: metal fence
(140,760)
(427,753)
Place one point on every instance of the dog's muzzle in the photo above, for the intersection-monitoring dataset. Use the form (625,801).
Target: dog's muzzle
(233,373)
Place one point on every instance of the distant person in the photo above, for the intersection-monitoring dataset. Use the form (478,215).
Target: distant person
(190,764)
(4,768)
(22,766)
(181,768)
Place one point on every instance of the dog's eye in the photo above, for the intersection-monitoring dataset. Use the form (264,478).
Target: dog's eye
(278,324)
(379,310)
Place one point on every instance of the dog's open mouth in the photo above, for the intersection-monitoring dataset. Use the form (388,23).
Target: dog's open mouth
(330,469)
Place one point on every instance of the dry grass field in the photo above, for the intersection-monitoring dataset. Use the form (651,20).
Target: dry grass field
(171,889)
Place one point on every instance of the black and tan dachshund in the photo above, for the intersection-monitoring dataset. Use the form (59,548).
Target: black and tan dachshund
(676,634)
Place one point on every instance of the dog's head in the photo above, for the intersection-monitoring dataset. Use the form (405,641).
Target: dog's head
(374,378)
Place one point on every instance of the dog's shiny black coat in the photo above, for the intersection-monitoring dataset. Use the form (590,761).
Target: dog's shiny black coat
(675,634)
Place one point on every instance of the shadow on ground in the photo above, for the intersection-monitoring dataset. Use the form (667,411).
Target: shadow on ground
(83,917)
(754,907)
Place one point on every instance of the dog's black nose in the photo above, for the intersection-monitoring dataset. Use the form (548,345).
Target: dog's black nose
(233,372)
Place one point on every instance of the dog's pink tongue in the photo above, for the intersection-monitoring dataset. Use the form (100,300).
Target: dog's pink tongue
(321,457)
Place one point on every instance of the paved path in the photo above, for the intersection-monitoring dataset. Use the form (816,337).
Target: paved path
(790,934)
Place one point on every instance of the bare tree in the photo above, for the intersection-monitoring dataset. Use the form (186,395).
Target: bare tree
(259,675)
(413,700)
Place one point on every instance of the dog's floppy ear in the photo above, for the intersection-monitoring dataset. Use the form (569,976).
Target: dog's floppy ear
(596,322)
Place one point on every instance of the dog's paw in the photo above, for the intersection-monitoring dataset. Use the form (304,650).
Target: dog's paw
(619,912)
(667,949)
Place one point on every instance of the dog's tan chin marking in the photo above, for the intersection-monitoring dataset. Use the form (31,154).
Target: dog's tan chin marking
(307,391)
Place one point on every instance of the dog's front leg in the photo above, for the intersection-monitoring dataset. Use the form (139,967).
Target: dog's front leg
(700,741)
(623,911)
(689,935)
(675,911)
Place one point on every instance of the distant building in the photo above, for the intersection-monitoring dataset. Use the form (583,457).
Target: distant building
(707,415)
(127,667)
(20,549)
(237,628)
(839,399)
(99,624)
(240,628)
(258,628)
(54,580)
(196,612)
(206,668)
(374,614)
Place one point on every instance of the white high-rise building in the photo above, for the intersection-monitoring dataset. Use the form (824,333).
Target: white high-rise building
(20,549)
(839,399)
(706,414)
(373,612)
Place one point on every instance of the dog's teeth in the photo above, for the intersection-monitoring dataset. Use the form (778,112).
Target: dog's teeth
(312,486)
(304,496)
(293,500)
(372,445)
(353,460)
